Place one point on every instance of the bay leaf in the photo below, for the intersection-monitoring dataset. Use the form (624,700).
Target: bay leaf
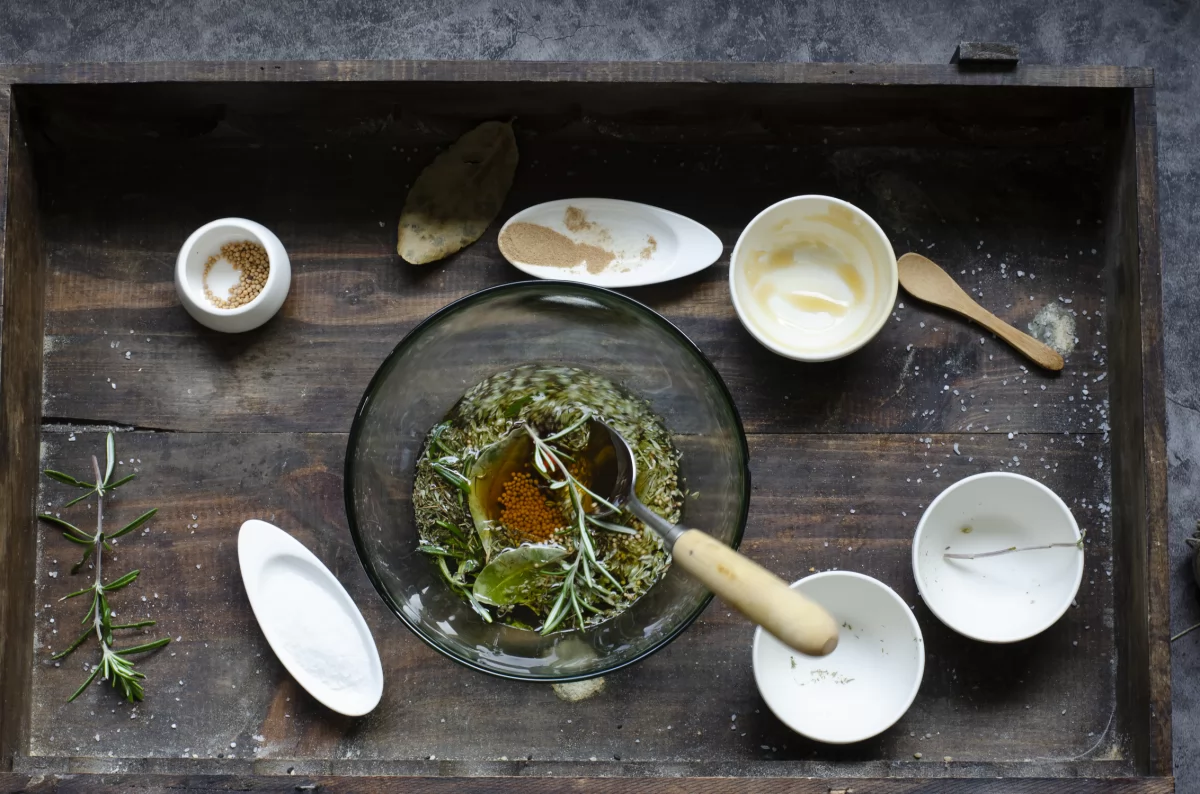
(459,194)
(492,469)
(507,579)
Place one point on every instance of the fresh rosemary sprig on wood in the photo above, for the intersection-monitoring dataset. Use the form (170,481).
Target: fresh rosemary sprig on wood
(113,667)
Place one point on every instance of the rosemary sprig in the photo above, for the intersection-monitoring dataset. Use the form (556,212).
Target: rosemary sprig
(583,579)
(113,666)
(1078,544)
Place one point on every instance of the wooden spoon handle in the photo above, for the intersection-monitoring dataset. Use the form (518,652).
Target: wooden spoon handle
(1040,353)
(760,595)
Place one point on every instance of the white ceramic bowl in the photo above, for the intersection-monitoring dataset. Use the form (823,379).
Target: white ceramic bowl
(870,679)
(189,275)
(817,234)
(1003,598)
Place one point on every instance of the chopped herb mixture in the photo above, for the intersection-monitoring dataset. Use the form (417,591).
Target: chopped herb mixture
(505,508)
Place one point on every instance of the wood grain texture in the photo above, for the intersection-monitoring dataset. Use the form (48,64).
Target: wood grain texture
(858,508)
(114,225)
(1154,424)
(22,279)
(1139,483)
(551,71)
(212,784)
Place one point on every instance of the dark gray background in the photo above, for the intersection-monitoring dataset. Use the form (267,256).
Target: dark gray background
(1164,35)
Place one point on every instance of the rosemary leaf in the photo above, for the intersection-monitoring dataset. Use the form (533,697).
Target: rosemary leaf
(121,482)
(110,449)
(78,641)
(135,523)
(80,498)
(124,581)
(67,479)
(66,525)
(149,646)
(84,685)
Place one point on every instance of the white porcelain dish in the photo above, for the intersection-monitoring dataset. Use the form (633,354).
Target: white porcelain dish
(652,245)
(189,275)
(813,278)
(1007,597)
(309,620)
(870,679)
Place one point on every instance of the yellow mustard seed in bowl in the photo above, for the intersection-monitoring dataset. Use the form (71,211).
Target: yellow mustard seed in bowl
(250,259)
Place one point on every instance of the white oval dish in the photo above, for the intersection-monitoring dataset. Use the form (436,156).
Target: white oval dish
(870,679)
(309,620)
(797,249)
(189,275)
(1007,597)
(681,246)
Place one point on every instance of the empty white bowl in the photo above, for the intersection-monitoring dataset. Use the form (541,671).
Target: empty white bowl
(870,679)
(813,278)
(1007,597)
(189,275)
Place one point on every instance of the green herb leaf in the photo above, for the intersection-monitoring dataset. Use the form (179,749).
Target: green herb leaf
(121,481)
(78,641)
(507,578)
(66,479)
(149,646)
(135,523)
(451,476)
(65,525)
(124,581)
(515,406)
(78,499)
(84,685)
(110,448)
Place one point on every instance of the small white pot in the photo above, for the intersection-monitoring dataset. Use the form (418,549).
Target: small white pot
(207,241)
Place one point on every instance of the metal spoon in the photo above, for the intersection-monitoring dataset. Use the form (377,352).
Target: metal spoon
(760,595)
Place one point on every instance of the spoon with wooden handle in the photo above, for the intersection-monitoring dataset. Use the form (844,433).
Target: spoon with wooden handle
(924,280)
(760,595)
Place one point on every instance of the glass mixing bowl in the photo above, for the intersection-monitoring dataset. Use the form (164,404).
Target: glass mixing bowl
(491,331)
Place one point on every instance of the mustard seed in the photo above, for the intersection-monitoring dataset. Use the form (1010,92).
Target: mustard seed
(250,259)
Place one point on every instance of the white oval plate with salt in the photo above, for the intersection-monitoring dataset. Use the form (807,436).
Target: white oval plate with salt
(309,620)
(650,245)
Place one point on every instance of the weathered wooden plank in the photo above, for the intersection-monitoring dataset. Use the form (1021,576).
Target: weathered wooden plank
(820,501)
(1154,432)
(1139,483)
(102,784)
(1030,244)
(22,271)
(1090,76)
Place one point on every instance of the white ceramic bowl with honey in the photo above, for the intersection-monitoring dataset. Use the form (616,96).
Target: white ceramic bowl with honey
(813,278)
(190,276)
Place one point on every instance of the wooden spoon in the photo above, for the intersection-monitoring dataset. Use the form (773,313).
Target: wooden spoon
(924,280)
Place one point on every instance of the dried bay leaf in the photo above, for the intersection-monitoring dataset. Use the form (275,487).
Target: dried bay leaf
(511,577)
(459,194)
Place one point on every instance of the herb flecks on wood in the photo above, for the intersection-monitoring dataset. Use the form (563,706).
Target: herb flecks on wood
(114,667)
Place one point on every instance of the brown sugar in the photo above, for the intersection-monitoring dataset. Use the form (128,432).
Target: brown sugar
(576,220)
(651,247)
(534,244)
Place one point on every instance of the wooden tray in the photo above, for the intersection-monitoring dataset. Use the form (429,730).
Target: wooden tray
(1035,187)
